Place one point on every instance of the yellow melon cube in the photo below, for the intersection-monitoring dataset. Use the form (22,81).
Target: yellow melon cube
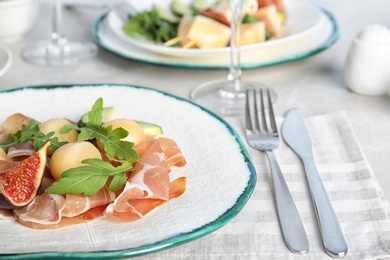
(208,33)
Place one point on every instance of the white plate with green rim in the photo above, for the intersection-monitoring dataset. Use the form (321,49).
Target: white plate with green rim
(219,181)
(312,30)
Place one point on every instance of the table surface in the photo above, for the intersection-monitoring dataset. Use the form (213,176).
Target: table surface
(315,85)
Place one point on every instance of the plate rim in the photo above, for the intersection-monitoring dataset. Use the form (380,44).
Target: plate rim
(174,240)
(332,38)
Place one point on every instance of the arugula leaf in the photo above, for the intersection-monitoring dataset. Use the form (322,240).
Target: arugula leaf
(112,142)
(149,25)
(95,116)
(118,181)
(40,139)
(86,180)
(111,138)
(31,133)
(67,128)
(55,143)
(249,19)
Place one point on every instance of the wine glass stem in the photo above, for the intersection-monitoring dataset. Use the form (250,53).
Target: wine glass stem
(59,41)
(235,72)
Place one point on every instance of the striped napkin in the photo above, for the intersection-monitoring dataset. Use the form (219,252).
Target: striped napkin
(358,201)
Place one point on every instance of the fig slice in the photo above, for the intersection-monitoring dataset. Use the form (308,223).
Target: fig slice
(19,184)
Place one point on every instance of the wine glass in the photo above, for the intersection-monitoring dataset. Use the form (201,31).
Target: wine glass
(58,50)
(227,96)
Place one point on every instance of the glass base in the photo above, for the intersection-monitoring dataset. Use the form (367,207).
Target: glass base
(220,97)
(54,53)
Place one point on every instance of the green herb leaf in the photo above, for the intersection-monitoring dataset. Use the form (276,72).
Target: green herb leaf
(88,180)
(95,116)
(118,181)
(114,146)
(84,180)
(106,167)
(10,141)
(39,139)
(55,144)
(67,128)
(148,25)
(31,133)
(249,19)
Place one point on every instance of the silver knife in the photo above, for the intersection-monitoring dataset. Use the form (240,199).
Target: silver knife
(295,134)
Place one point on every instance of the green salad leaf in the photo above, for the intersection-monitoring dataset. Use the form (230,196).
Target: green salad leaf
(89,179)
(31,133)
(149,25)
(85,180)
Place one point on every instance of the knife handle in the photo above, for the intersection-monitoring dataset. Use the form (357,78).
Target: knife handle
(290,222)
(332,235)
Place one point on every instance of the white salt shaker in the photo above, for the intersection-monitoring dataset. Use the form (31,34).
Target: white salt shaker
(367,70)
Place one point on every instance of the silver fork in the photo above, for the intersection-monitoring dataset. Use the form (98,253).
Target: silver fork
(265,137)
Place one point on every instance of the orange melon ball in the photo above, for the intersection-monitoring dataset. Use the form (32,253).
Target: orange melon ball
(14,123)
(55,125)
(136,133)
(70,156)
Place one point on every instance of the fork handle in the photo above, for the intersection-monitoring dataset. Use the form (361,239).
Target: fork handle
(290,222)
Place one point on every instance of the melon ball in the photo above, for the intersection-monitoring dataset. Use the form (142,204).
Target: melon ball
(14,123)
(70,156)
(136,133)
(55,125)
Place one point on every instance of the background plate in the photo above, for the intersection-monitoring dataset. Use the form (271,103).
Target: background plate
(322,34)
(220,175)
(304,21)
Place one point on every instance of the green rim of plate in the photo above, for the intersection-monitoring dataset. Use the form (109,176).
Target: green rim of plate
(329,42)
(173,241)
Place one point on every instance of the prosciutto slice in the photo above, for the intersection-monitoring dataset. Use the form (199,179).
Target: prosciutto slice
(149,185)
(53,211)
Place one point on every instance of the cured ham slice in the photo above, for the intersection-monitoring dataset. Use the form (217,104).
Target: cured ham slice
(44,210)
(76,204)
(149,184)
(137,208)
(53,211)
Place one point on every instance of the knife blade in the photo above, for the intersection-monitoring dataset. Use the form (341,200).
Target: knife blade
(295,134)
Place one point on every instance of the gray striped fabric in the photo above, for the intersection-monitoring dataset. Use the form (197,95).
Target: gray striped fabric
(359,203)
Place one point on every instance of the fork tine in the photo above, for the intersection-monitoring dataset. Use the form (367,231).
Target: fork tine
(248,119)
(256,110)
(271,113)
(263,118)
(253,121)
